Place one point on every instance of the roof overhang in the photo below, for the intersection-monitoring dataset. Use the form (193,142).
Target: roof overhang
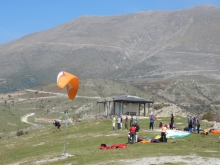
(131,99)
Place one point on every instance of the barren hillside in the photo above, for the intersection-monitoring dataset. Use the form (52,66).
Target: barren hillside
(139,45)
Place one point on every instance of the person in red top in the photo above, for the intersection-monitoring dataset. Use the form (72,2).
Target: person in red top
(155,118)
(132,134)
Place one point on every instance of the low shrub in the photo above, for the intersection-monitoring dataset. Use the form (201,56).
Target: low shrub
(208,116)
(158,106)
(20,132)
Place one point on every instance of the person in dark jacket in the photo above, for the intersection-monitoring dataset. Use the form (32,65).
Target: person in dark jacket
(57,124)
(151,122)
(190,121)
(198,124)
(171,121)
(136,131)
(194,124)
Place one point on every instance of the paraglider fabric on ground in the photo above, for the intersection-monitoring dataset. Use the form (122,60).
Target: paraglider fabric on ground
(175,134)
(114,146)
(215,131)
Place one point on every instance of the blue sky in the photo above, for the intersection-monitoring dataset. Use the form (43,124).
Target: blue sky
(21,17)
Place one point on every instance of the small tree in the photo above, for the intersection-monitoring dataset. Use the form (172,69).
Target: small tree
(208,116)
(9,96)
(158,106)
(20,132)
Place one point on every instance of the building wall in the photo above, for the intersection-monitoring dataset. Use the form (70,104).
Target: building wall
(123,108)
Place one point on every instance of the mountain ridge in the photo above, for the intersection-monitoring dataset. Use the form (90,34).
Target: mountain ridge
(119,47)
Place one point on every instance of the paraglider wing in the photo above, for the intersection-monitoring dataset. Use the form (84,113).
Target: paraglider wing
(71,82)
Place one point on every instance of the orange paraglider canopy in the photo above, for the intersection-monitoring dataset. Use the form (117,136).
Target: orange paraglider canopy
(70,81)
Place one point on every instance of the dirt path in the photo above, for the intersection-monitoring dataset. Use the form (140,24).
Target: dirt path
(61,94)
(178,72)
(195,53)
(24,118)
(189,159)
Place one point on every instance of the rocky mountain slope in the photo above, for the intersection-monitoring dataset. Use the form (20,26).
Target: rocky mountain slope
(157,44)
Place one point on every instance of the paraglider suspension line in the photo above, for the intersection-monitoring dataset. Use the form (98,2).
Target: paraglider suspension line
(64,150)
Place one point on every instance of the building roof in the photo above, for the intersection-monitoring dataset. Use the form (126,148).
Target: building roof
(131,99)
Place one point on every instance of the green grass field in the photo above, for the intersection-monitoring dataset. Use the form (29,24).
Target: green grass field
(45,145)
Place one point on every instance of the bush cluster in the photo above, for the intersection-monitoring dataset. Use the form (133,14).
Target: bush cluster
(208,116)
(20,132)
(158,106)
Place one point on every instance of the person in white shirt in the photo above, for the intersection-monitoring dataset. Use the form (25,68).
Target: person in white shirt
(113,123)
(119,122)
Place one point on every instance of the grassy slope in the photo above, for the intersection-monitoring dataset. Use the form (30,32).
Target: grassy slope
(84,139)
(10,113)
(200,92)
(82,142)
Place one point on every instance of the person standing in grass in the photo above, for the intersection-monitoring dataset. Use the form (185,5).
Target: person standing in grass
(160,125)
(131,121)
(137,128)
(171,121)
(163,133)
(126,123)
(113,123)
(190,121)
(151,122)
(132,134)
(137,118)
(155,118)
(119,122)
(194,124)
(198,124)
